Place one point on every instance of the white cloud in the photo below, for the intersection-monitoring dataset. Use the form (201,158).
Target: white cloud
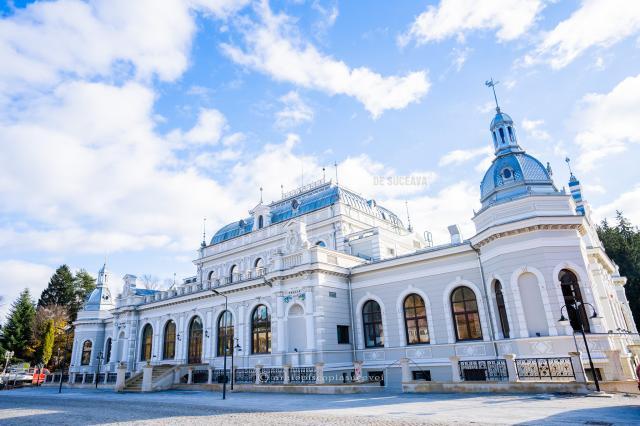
(460,56)
(627,202)
(208,130)
(608,122)
(19,275)
(460,156)
(454,18)
(294,112)
(534,129)
(597,23)
(274,47)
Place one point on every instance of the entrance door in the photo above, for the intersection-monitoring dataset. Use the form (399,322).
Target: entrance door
(195,341)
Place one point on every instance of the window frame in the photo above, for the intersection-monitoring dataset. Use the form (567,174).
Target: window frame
(372,325)
(223,331)
(168,343)
(415,318)
(85,355)
(467,313)
(146,342)
(260,327)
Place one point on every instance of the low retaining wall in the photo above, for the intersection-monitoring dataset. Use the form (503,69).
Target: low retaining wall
(622,386)
(494,387)
(303,389)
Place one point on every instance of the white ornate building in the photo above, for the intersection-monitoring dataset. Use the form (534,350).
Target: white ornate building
(324,275)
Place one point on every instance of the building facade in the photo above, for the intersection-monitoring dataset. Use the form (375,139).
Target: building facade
(326,276)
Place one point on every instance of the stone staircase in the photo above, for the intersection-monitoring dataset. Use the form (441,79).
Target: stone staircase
(134,384)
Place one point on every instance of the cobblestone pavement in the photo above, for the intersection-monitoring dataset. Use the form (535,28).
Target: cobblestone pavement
(85,406)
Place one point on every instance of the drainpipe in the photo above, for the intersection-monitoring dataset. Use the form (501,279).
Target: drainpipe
(353,329)
(486,300)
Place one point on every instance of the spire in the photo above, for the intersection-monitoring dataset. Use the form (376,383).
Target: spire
(576,189)
(409,227)
(335,164)
(492,84)
(260,195)
(502,129)
(203,244)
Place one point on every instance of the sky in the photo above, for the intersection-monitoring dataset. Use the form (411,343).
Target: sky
(124,124)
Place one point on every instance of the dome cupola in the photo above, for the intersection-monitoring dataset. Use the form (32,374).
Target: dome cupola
(513,173)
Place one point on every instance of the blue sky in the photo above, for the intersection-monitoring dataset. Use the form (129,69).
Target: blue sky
(123,125)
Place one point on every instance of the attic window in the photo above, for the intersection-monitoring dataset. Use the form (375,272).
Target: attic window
(295,204)
(241,223)
(260,222)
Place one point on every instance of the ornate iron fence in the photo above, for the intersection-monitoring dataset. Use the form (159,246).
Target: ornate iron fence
(101,378)
(484,370)
(272,375)
(88,378)
(245,375)
(112,377)
(218,375)
(78,379)
(302,375)
(544,368)
(49,378)
(200,376)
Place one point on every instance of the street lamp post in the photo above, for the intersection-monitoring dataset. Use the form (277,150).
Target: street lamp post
(235,348)
(226,339)
(576,306)
(100,357)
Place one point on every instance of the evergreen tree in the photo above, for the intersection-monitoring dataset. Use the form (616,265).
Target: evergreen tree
(622,244)
(61,289)
(18,331)
(47,343)
(84,284)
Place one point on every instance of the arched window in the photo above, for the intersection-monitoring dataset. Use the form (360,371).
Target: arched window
(86,353)
(511,137)
(210,276)
(466,318)
(259,263)
(372,322)
(225,333)
(260,222)
(495,140)
(501,130)
(415,320)
(233,272)
(195,341)
(147,342)
(169,347)
(321,244)
(261,330)
(502,310)
(107,351)
(572,294)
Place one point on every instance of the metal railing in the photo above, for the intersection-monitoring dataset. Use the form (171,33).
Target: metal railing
(272,375)
(302,375)
(245,375)
(218,375)
(484,370)
(200,376)
(544,368)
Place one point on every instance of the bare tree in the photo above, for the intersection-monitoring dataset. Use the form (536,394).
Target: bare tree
(150,282)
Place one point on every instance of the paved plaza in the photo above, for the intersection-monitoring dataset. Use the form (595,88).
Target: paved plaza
(88,406)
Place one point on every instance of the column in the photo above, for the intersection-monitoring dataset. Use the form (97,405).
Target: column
(406,371)
(614,367)
(209,375)
(512,370)
(310,318)
(320,373)
(280,308)
(147,378)
(357,366)
(455,368)
(578,368)
(190,375)
(258,368)
(287,374)
(120,375)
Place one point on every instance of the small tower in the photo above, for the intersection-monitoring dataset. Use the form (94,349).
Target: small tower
(576,190)
(502,129)
(100,298)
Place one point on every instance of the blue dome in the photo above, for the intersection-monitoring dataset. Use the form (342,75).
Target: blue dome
(500,118)
(513,175)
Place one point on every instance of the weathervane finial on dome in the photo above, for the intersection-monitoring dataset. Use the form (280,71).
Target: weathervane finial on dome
(568,161)
(492,84)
